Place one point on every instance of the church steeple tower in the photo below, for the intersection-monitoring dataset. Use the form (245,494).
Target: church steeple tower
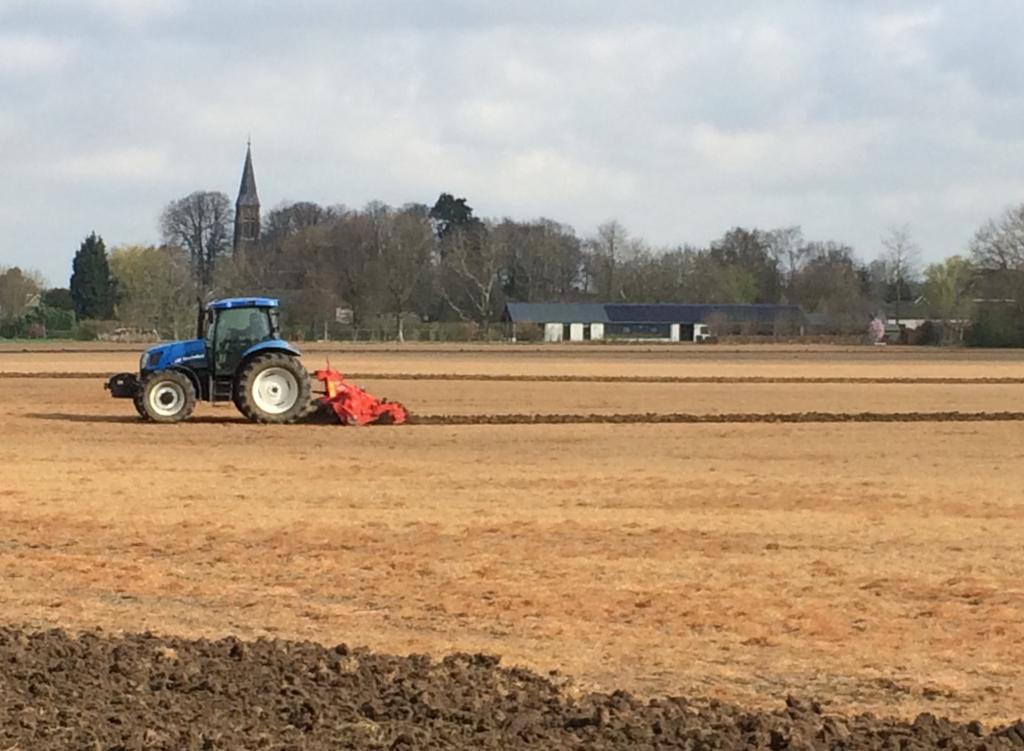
(247,207)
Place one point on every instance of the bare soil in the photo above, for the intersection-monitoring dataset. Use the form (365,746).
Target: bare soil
(139,692)
(875,566)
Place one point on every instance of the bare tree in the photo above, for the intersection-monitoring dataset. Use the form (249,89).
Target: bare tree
(403,241)
(290,218)
(786,245)
(199,223)
(544,260)
(999,244)
(608,248)
(18,290)
(901,258)
(471,275)
(828,282)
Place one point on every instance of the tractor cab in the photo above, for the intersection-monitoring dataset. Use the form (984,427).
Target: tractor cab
(231,328)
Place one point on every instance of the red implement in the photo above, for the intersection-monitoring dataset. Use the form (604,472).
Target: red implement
(353,406)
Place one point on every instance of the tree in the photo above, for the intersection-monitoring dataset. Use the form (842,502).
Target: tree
(786,245)
(997,253)
(607,249)
(901,258)
(472,264)
(948,289)
(19,290)
(999,244)
(544,261)
(199,223)
(155,288)
(727,283)
(450,213)
(291,218)
(92,287)
(750,251)
(829,281)
(404,240)
(58,298)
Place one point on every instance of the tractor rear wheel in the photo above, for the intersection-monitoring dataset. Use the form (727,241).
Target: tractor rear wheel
(272,388)
(168,396)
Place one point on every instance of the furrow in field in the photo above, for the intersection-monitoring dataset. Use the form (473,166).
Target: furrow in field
(792,417)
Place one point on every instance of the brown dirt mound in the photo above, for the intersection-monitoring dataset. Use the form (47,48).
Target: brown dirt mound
(146,692)
(746,417)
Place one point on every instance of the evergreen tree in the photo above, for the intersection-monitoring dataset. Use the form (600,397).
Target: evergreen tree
(92,288)
(451,213)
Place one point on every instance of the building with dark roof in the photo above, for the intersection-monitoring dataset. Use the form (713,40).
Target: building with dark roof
(670,322)
(247,207)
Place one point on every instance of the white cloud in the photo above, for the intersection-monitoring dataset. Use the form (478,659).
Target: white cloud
(681,122)
(132,13)
(131,164)
(900,34)
(22,53)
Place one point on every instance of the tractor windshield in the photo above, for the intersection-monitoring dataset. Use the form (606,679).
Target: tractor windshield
(244,324)
(237,329)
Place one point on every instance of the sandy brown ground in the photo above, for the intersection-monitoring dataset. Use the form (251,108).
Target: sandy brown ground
(879,566)
(684,360)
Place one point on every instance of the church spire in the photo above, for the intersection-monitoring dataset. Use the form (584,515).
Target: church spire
(247,207)
(247,190)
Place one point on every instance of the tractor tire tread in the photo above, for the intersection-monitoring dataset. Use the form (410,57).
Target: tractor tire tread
(140,406)
(181,379)
(242,396)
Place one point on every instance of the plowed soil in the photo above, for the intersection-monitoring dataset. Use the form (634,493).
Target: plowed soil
(654,418)
(142,692)
(854,541)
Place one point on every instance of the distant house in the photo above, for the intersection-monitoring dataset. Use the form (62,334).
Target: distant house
(579,322)
(912,314)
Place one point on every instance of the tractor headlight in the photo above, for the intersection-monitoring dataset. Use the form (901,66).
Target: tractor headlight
(142,361)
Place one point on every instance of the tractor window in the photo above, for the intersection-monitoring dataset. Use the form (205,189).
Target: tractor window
(243,324)
(237,330)
(206,328)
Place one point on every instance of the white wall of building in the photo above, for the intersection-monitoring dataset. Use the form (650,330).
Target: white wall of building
(575,332)
(596,332)
(553,332)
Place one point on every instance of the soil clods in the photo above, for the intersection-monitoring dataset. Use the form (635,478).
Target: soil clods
(146,692)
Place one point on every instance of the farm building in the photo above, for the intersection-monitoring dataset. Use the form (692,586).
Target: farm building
(579,322)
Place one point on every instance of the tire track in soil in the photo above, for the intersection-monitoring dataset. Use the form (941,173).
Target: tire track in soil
(744,417)
(683,380)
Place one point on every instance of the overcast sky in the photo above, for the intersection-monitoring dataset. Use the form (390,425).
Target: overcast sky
(680,119)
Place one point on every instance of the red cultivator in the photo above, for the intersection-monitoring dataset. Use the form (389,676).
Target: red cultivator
(353,406)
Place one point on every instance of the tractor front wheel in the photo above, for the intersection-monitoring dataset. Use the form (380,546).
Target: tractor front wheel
(140,405)
(273,388)
(167,396)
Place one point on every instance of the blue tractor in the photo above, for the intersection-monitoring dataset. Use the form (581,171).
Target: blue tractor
(237,356)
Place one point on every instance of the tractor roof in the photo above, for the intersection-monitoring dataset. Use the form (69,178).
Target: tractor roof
(242,302)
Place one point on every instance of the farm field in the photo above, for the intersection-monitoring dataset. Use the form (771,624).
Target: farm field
(644,361)
(874,566)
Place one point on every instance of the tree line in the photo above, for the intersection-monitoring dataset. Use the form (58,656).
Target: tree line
(387,268)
